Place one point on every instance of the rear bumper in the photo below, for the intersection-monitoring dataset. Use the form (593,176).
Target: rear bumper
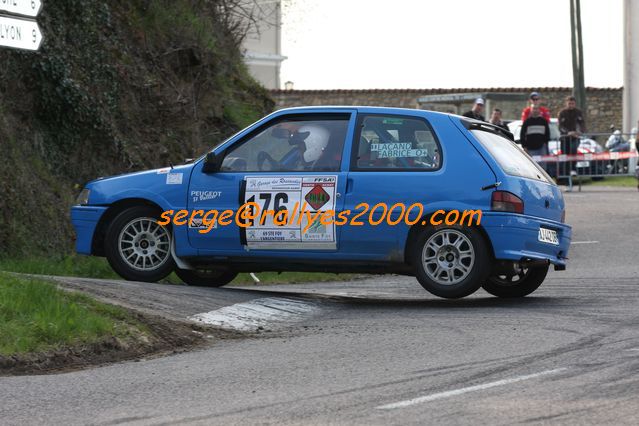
(85,219)
(515,237)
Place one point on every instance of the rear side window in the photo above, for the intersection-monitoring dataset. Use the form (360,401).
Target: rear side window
(391,142)
(510,158)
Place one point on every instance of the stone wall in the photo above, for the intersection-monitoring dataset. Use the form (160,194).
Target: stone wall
(604,104)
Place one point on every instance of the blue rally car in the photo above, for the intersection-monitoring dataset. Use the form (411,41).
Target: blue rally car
(393,177)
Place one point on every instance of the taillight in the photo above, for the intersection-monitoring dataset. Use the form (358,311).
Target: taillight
(503,201)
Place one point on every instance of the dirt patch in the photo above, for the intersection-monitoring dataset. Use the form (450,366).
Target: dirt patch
(165,337)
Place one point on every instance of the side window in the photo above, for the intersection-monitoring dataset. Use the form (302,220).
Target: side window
(395,142)
(293,144)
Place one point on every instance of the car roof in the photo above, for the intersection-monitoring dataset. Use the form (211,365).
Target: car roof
(361,109)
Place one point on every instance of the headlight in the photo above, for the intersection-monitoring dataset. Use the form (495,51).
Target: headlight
(83,198)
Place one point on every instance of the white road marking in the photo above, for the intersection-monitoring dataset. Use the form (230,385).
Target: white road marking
(447,394)
(584,242)
(265,313)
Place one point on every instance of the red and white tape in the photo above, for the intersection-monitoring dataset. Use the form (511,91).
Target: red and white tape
(585,157)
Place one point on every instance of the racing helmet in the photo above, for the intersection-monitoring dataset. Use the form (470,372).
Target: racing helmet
(315,142)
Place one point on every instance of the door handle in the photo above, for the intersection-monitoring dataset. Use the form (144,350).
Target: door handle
(349,185)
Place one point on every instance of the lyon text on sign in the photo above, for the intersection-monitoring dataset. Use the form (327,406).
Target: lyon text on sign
(19,33)
(22,7)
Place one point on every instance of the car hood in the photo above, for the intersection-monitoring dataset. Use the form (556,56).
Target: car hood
(157,185)
(135,175)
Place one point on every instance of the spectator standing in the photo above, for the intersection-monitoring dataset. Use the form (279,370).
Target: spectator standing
(495,119)
(571,125)
(535,100)
(476,111)
(535,133)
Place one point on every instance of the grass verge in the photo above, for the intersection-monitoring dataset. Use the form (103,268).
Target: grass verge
(35,316)
(618,181)
(70,266)
(98,267)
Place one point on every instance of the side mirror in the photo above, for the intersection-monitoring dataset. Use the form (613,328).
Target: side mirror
(212,163)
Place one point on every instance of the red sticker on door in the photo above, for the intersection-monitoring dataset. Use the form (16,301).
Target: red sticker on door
(317,197)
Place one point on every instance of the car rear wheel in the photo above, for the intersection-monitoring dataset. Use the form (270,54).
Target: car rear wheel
(451,261)
(137,248)
(206,278)
(516,285)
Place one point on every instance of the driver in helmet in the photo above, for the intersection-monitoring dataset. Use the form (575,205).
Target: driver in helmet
(312,148)
(312,141)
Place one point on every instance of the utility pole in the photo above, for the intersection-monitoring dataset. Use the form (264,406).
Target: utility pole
(630,65)
(631,70)
(579,87)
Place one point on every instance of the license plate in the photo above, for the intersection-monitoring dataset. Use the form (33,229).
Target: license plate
(548,236)
(582,164)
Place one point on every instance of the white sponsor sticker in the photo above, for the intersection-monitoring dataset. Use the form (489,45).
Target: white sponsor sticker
(271,184)
(298,201)
(317,231)
(174,179)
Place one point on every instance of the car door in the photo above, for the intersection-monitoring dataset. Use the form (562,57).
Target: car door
(290,165)
(401,170)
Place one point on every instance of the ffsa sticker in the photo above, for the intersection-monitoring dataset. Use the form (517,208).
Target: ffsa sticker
(296,199)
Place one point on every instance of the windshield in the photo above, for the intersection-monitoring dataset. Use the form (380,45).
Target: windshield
(512,159)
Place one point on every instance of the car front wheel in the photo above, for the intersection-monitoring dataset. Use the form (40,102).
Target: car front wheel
(516,285)
(451,261)
(205,278)
(137,248)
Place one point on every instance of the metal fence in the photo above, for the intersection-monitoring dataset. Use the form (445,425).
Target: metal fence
(616,156)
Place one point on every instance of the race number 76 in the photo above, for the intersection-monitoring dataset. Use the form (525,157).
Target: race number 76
(280,200)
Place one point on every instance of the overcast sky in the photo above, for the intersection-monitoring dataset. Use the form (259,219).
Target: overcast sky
(363,44)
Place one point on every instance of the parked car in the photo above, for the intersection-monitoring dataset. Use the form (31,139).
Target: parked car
(336,158)
(586,146)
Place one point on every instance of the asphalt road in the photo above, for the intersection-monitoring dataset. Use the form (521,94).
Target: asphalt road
(381,351)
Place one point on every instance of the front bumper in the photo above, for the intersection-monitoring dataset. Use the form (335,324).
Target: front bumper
(85,219)
(515,237)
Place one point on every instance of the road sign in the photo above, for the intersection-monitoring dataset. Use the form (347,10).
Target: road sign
(19,33)
(21,7)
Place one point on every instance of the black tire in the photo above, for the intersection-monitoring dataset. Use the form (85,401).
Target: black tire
(204,278)
(125,240)
(519,285)
(471,260)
